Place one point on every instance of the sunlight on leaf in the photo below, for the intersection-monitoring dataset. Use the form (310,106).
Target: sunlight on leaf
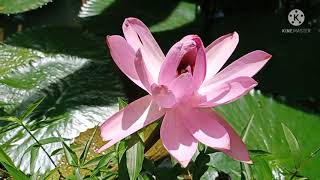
(292,141)
(17,6)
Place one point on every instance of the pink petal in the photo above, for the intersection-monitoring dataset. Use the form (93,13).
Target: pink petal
(205,128)
(169,68)
(218,53)
(177,139)
(238,149)
(139,37)
(163,96)
(182,86)
(123,55)
(216,94)
(142,71)
(129,120)
(199,71)
(247,65)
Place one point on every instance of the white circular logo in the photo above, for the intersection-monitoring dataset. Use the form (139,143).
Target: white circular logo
(296,17)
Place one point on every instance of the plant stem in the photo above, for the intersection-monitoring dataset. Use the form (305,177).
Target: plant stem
(4,172)
(26,128)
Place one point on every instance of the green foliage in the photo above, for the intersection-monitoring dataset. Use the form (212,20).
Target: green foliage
(134,156)
(10,167)
(85,151)
(72,96)
(292,142)
(4,158)
(94,7)
(71,68)
(102,163)
(31,108)
(70,155)
(15,172)
(133,147)
(17,6)
(266,135)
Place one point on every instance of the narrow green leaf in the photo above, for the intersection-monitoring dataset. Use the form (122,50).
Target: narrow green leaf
(103,162)
(36,176)
(52,140)
(259,152)
(92,161)
(8,127)
(60,150)
(85,151)
(5,158)
(247,128)
(110,175)
(122,170)
(45,141)
(121,149)
(31,108)
(314,153)
(71,156)
(77,174)
(33,157)
(292,141)
(57,151)
(9,119)
(247,171)
(15,172)
(122,103)
(134,156)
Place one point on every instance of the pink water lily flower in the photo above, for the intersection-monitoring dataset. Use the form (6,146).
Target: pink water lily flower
(183,86)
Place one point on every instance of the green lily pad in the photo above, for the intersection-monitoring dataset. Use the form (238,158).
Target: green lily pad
(159,16)
(80,92)
(94,7)
(266,134)
(17,6)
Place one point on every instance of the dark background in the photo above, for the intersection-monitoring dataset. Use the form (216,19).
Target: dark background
(291,76)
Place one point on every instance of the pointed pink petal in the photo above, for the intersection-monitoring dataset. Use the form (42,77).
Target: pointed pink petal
(219,51)
(199,71)
(169,67)
(129,120)
(123,55)
(247,65)
(142,71)
(139,37)
(182,86)
(238,149)
(205,128)
(216,94)
(177,139)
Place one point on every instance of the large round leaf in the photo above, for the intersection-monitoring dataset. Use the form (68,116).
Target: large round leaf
(266,133)
(181,13)
(94,7)
(80,91)
(158,15)
(17,6)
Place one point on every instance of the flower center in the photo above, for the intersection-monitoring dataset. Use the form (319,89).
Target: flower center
(188,61)
(163,96)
